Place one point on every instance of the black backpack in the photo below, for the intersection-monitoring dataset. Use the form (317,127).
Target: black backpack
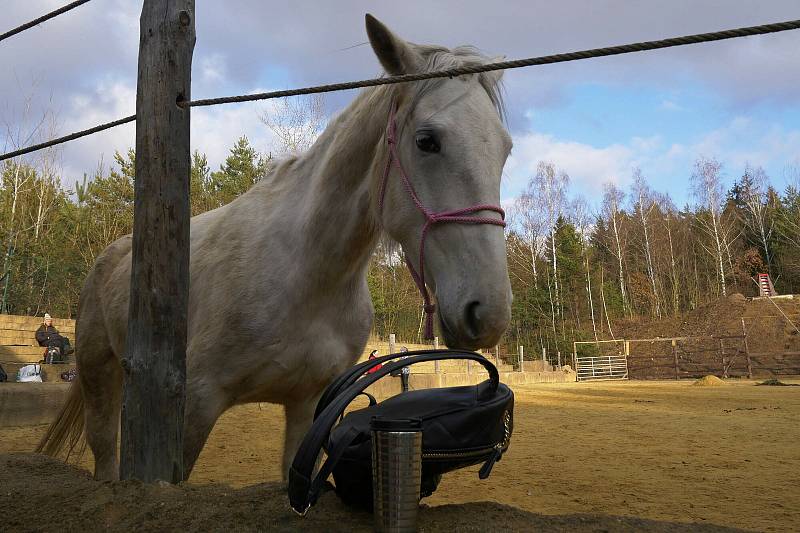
(3,375)
(461,426)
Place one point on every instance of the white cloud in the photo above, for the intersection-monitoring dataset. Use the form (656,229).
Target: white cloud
(740,141)
(215,129)
(669,105)
(588,166)
(213,68)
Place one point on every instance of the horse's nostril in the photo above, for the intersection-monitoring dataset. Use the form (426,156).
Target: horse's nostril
(473,319)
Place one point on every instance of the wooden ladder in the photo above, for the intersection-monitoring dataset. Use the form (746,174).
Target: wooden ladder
(765,285)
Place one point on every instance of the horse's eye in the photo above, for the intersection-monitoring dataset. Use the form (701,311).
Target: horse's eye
(427,143)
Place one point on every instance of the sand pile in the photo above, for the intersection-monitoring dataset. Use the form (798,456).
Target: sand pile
(709,381)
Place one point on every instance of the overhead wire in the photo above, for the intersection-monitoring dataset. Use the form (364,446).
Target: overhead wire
(448,73)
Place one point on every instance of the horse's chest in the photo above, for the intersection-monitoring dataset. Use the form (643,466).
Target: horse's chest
(302,365)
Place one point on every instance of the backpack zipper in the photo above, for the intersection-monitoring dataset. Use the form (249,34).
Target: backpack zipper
(498,448)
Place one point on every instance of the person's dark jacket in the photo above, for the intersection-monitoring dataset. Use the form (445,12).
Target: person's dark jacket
(48,336)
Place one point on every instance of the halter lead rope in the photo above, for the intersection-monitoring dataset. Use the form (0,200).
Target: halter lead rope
(460,216)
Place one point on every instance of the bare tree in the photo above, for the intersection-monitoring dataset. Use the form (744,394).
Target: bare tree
(296,122)
(548,188)
(758,217)
(612,200)
(669,218)
(529,220)
(583,223)
(707,186)
(644,204)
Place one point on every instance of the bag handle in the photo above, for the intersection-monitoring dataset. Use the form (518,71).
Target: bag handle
(303,491)
(347,378)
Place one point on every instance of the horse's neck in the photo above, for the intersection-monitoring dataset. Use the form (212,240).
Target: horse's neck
(338,177)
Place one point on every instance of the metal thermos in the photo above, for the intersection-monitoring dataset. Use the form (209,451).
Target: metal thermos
(396,473)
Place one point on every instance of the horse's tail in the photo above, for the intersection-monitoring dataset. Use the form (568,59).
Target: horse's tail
(66,430)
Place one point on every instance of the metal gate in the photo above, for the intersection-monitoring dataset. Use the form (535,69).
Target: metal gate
(603,367)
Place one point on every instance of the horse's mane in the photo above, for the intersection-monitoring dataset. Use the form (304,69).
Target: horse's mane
(368,101)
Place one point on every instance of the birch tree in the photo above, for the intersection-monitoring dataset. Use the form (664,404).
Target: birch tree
(613,198)
(707,187)
(644,203)
(752,191)
(296,122)
(583,223)
(548,188)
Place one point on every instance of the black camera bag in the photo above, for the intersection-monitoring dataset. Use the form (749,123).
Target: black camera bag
(461,426)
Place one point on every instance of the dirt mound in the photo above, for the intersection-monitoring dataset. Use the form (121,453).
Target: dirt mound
(32,484)
(721,317)
(709,381)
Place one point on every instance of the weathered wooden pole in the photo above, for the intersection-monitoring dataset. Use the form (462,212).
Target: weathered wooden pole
(675,356)
(155,349)
(747,351)
(436,363)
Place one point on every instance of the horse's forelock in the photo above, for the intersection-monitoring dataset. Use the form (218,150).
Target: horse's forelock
(440,58)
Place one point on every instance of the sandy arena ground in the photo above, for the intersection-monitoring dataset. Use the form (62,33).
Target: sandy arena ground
(667,451)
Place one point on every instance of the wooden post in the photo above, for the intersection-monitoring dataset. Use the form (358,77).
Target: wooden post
(575,356)
(392,343)
(558,353)
(154,363)
(747,352)
(675,356)
(497,355)
(521,359)
(436,367)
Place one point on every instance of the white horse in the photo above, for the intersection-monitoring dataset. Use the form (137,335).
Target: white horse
(278,302)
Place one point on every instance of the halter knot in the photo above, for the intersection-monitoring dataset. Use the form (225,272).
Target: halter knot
(460,216)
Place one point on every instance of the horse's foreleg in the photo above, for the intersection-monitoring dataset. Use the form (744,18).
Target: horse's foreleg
(201,413)
(100,377)
(299,417)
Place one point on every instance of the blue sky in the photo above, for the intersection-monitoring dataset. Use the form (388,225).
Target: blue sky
(735,100)
(665,131)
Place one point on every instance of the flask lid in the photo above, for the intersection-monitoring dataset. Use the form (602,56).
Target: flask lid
(380,423)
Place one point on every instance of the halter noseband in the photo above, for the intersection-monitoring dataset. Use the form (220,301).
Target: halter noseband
(460,216)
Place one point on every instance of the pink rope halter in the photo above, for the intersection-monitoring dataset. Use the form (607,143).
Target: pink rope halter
(460,216)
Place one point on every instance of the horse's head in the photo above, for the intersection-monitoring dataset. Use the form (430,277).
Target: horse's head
(451,146)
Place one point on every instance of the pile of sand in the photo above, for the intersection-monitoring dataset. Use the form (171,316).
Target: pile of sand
(709,381)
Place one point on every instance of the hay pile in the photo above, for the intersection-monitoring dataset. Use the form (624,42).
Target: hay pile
(709,381)
(775,382)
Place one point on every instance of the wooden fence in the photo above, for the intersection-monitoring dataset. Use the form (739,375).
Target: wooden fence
(724,356)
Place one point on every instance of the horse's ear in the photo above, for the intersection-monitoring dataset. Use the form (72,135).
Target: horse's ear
(396,55)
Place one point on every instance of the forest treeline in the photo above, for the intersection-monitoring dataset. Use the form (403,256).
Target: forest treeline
(576,270)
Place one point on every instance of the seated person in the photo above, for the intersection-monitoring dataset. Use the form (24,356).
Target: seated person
(48,336)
